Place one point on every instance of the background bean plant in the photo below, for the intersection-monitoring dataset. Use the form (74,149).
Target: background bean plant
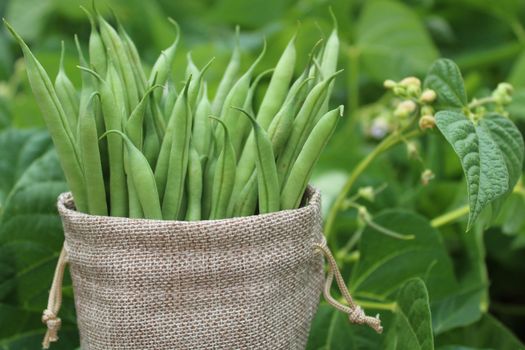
(421,184)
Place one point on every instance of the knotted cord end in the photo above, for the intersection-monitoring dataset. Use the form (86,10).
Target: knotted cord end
(358,316)
(53,324)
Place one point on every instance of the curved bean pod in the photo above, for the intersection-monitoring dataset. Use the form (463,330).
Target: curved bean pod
(66,93)
(301,171)
(194,184)
(90,156)
(56,122)
(267,180)
(142,178)
(178,161)
(278,87)
(228,78)
(224,177)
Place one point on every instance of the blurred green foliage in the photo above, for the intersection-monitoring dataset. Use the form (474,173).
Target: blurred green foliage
(467,295)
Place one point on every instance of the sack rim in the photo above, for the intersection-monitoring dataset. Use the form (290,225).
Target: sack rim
(314,200)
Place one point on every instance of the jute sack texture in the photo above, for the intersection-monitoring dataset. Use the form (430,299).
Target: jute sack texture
(243,283)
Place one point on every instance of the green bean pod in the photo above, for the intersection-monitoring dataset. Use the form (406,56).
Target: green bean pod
(170,97)
(228,78)
(224,177)
(163,162)
(267,180)
(88,83)
(243,124)
(92,165)
(207,190)
(142,178)
(196,83)
(66,93)
(151,146)
(56,122)
(135,123)
(236,98)
(134,59)
(97,49)
(278,87)
(329,63)
(301,171)
(247,200)
(301,127)
(194,186)
(162,67)
(278,132)
(112,109)
(201,124)
(178,161)
(115,47)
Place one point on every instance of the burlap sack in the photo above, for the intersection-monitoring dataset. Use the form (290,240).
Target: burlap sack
(242,283)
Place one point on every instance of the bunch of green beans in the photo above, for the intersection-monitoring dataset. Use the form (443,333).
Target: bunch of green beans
(134,144)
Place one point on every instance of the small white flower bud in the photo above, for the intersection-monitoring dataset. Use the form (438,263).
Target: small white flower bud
(428,96)
(411,81)
(366,193)
(389,84)
(427,176)
(405,108)
(427,122)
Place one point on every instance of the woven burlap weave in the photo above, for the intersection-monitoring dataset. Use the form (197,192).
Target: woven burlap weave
(243,283)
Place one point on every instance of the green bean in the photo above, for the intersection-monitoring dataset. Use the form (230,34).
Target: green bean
(134,59)
(92,165)
(134,124)
(235,98)
(243,124)
(162,67)
(142,178)
(170,94)
(56,122)
(66,93)
(279,86)
(151,147)
(116,49)
(97,49)
(88,85)
(178,160)
(267,180)
(207,190)
(224,177)
(194,186)
(301,171)
(201,124)
(163,162)
(279,131)
(111,101)
(329,63)
(301,128)
(228,78)
(195,84)
(247,199)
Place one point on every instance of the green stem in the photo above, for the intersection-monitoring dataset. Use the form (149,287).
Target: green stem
(353,80)
(450,216)
(387,143)
(480,102)
(376,305)
(518,29)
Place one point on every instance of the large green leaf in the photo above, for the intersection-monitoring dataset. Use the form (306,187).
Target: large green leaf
(392,41)
(444,77)
(386,263)
(491,154)
(487,333)
(412,327)
(331,330)
(18,149)
(29,16)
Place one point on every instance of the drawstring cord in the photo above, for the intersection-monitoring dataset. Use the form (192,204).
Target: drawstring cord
(49,316)
(355,312)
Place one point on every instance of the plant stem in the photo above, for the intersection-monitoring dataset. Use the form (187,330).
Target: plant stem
(480,102)
(450,216)
(387,143)
(376,305)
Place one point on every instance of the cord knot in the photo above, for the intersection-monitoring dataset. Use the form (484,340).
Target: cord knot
(357,315)
(53,324)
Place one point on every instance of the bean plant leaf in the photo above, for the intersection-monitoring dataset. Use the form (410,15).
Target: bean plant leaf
(491,154)
(412,328)
(386,263)
(393,41)
(487,333)
(331,330)
(444,77)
